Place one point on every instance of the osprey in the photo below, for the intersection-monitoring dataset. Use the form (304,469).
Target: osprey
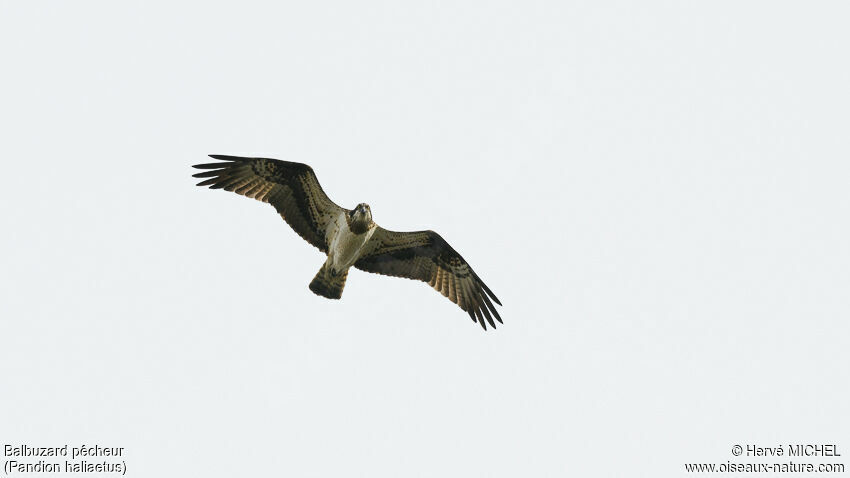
(349,237)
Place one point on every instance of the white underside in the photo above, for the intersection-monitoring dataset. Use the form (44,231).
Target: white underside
(345,246)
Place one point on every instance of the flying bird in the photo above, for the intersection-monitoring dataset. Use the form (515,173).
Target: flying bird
(350,237)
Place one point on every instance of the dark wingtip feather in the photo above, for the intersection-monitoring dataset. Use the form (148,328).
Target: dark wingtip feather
(492,309)
(486,313)
(487,289)
(207,182)
(206,174)
(480,318)
(225,157)
(211,165)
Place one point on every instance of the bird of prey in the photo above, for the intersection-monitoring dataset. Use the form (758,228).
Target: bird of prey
(349,237)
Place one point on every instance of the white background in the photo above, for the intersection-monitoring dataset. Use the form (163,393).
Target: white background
(657,192)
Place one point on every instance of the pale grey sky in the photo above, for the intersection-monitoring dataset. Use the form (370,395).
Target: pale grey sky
(657,192)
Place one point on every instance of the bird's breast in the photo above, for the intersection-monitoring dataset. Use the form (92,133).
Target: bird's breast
(346,246)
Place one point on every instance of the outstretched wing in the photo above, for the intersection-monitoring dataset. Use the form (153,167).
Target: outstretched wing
(426,256)
(292,188)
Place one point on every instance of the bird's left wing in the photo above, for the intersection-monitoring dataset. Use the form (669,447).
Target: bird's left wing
(425,256)
(292,188)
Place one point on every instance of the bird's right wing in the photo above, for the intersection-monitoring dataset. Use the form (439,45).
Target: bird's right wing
(425,256)
(292,188)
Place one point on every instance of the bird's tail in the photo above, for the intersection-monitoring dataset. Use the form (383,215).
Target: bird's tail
(327,285)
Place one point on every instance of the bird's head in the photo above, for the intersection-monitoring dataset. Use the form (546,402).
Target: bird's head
(360,218)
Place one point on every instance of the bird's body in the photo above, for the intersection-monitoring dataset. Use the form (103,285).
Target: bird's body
(346,245)
(347,242)
(351,237)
